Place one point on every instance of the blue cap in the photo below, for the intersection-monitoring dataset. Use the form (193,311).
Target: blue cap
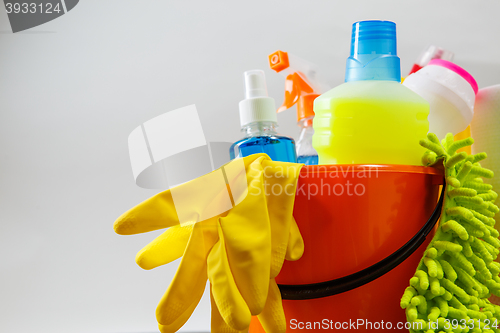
(373,52)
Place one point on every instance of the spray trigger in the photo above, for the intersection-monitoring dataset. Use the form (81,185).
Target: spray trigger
(295,86)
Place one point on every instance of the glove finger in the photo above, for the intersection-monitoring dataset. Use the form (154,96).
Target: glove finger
(295,248)
(230,303)
(166,248)
(197,200)
(281,182)
(155,213)
(280,233)
(190,279)
(247,237)
(272,318)
(181,320)
(217,323)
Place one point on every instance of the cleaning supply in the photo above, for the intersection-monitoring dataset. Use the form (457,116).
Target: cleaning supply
(240,251)
(259,122)
(386,207)
(485,128)
(305,114)
(450,91)
(431,52)
(371,118)
(466,133)
(302,86)
(457,274)
(486,133)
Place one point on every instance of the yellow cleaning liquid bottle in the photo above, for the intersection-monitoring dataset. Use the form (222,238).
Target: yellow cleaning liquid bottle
(371,118)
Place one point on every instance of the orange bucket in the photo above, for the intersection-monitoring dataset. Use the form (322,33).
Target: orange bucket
(364,230)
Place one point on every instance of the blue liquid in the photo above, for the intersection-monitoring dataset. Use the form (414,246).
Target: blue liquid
(308,159)
(279,148)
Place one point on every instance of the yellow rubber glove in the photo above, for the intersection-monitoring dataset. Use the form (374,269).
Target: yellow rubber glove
(247,249)
(217,323)
(285,236)
(272,317)
(242,249)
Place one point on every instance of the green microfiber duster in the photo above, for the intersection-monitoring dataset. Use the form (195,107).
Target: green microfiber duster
(451,286)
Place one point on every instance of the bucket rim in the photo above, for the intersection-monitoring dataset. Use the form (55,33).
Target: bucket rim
(351,168)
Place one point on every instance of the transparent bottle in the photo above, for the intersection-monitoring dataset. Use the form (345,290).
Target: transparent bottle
(259,122)
(302,86)
(305,152)
(261,137)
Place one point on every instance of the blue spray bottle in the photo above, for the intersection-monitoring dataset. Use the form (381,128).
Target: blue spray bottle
(259,122)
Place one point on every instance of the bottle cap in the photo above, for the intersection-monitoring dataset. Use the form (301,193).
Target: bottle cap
(257,105)
(450,93)
(373,52)
(457,69)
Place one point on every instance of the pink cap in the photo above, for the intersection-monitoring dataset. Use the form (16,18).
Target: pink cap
(457,69)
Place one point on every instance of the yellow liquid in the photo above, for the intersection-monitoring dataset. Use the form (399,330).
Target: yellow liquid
(370,122)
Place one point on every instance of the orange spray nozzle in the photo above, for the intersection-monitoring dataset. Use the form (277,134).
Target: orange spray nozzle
(279,61)
(305,106)
(298,88)
(295,87)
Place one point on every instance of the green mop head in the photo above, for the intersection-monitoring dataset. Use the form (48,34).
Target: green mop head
(451,286)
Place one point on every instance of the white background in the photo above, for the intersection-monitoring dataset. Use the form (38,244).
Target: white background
(73,89)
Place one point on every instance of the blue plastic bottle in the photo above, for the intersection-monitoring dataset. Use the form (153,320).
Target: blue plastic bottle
(259,122)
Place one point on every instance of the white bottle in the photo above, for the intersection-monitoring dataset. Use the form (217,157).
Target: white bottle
(485,129)
(450,91)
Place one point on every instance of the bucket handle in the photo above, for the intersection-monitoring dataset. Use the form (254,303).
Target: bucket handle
(360,278)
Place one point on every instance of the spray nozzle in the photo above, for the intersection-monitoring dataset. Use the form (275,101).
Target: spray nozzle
(295,87)
(302,85)
(431,52)
(257,105)
(279,61)
(255,84)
